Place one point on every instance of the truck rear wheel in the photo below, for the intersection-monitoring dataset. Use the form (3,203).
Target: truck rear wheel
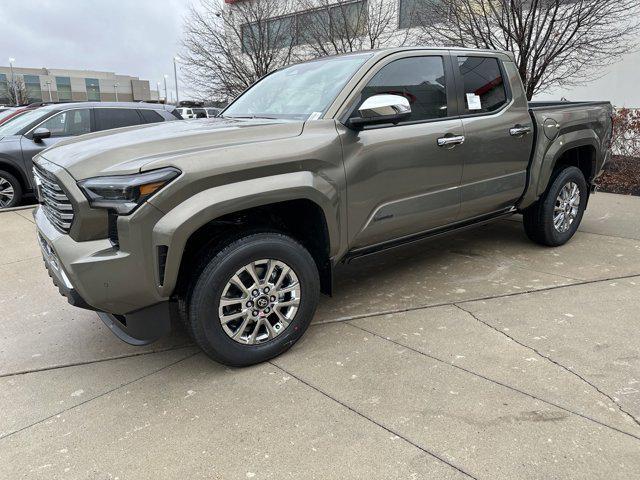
(253,299)
(555,218)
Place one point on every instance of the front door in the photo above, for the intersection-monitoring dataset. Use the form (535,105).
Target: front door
(62,125)
(399,181)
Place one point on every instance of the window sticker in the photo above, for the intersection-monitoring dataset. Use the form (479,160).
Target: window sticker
(473,102)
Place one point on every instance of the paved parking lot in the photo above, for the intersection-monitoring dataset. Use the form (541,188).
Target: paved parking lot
(479,355)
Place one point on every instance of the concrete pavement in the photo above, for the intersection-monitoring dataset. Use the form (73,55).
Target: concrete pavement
(479,355)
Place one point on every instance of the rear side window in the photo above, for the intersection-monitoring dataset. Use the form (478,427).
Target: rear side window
(108,118)
(420,79)
(484,88)
(150,116)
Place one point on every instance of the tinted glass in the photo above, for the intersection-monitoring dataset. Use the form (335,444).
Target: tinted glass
(69,124)
(484,88)
(200,112)
(32,85)
(108,118)
(151,116)
(420,79)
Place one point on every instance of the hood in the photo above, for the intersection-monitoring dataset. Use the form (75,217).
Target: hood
(128,150)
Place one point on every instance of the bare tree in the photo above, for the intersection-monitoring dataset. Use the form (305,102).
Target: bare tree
(330,27)
(555,42)
(16,86)
(227,50)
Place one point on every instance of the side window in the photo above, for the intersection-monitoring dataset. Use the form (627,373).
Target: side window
(420,79)
(69,123)
(151,116)
(484,88)
(108,118)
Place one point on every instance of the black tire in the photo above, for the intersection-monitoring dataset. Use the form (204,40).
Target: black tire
(538,219)
(17,190)
(210,280)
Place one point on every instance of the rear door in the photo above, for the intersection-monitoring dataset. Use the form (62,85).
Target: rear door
(400,182)
(109,118)
(498,133)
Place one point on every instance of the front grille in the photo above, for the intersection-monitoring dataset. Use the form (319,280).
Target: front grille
(55,203)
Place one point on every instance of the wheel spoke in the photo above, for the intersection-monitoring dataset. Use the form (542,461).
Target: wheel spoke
(294,302)
(283,320)
(251,270)
(289,288)
(241,328)
(283,275)
(235,280)
(232,316)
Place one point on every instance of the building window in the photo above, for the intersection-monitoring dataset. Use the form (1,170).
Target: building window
(309,26)
(483,84)
(93,89)
(32,85)
(421,80)
(415,13)
(4,89)
(63,85)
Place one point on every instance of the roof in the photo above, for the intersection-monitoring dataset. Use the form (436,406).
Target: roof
(153,106)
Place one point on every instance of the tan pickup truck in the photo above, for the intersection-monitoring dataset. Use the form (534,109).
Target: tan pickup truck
(234,224)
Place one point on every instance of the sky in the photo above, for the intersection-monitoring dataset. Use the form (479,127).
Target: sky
(141,37)
(129,37)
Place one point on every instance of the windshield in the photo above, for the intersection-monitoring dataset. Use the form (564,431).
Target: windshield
(298,91)
(20,121)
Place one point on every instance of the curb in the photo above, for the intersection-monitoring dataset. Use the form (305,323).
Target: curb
(15,209)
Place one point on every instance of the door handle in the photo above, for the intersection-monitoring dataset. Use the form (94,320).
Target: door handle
(448,141)
(519,131)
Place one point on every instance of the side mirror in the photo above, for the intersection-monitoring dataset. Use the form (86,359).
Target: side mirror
(40,134)
(379,109)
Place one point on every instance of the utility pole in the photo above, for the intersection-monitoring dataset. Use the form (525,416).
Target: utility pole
(115,89)
(175,75)
(13,80)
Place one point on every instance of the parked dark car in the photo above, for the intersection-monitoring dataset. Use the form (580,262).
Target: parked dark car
(33,130)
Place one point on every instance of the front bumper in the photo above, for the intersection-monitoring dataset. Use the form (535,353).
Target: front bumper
(84,274)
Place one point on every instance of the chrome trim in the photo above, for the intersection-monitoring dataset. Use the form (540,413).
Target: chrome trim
(55,204)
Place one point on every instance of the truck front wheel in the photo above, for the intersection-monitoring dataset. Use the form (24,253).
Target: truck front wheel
(253,299)
(555,218)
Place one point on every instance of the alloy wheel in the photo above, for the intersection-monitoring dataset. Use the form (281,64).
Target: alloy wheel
(566,207)
(259,302)
(6,193)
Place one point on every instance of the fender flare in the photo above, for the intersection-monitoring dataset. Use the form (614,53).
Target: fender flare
(545,160)
(176,227)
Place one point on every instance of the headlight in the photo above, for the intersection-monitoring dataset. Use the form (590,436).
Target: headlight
(125,193)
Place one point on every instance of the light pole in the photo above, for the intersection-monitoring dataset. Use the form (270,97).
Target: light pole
(166,98)
(48,84)
(158,89)
(13,80)
(115,89)
(175,75)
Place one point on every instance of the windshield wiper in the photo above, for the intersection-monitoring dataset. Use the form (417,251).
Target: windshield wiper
(252,117)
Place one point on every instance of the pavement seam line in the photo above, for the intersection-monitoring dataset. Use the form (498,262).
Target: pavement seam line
(371,420)
(497,382)
(18,261)
(555,362)
(477,299)
(72,407)
(91,362)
